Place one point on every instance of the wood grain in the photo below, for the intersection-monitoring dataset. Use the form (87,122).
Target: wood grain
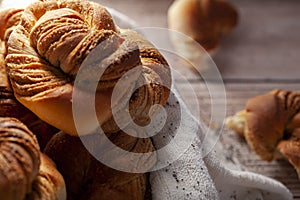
(265,45)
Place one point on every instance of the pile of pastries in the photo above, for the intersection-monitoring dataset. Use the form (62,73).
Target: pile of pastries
(42,49)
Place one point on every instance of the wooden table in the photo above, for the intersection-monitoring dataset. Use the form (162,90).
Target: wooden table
(261,54)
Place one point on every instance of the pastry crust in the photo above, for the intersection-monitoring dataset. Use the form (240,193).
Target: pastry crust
(266,122)
(266,119)
(270,124)
(49,183)
(25,172)
(90,179)
(205,21)
(9,106)
(290,149)
(19,159)
(48,47)
(45,53)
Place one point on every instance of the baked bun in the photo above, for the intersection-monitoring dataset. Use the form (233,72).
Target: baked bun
(155,78)
(23,172)
(46,50)
(9,106)
(87,178)
(290,149)
(266,118)
(270,124)
(9,19)
(19,159)
(203,21)
(49,183)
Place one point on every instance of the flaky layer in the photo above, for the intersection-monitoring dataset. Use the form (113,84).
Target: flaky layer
(57,39)
(19,159)
(267,118)
(49,183)
(90,179)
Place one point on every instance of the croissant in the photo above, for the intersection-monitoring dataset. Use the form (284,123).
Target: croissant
(93,180)
(47,48)
(268,124)
(205,21)
(23,171)
(9,106)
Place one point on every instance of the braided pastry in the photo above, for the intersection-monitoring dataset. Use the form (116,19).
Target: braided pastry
(268,124)
(46,50)
(93,180)
(20,163)
(9,19)
(19,159)
(9,106)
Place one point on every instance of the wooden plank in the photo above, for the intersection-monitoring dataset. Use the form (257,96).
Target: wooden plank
(266,42)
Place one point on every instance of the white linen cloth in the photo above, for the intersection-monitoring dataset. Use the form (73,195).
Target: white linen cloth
(191,176)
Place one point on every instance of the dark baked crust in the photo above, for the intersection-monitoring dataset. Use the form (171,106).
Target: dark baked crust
(87,178)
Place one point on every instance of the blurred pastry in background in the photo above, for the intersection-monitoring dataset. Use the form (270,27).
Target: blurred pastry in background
(203,21)
(270,125)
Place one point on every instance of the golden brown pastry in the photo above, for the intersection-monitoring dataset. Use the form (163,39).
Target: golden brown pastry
(45,53)
(9,18)
(9,106)
(293,124)
(87,178)
(21,169)
(265,119)
(290,149)
(19,159)
(46,50)
(270,124)
(237,122)
(49,183)
(155,77)
(205,21)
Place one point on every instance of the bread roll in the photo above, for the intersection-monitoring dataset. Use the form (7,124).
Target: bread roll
(46,50)
(205,21)
(293,124)
(9,19)
(19,159)
(25,173)
(87,178)
(9,106)
(270,124)
(266,118)
(155,78)
(49,183)
(290,149)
